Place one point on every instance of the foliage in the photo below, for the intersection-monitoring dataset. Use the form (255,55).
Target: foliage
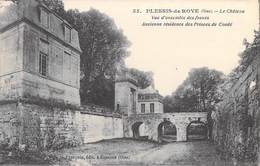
(104,49)
(144,79)
(4,143)
(246,58)
(169,105)
(55,5)
(14,156)
(57,142)
(199,92)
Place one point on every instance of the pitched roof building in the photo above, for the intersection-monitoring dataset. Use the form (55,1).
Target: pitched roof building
(40,53)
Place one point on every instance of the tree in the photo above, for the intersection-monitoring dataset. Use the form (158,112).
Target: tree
(199,92)
(246,57)
(55,5)
(205,83)
(144,79)
(104,49)
(168,103)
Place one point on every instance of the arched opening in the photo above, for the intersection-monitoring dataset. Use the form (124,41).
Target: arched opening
(197,131)
(139,130)
(167,132)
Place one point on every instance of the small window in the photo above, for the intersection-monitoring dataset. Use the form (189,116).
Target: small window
(67,33)
(142,108)
(152,107)
(44,18)
(43,63)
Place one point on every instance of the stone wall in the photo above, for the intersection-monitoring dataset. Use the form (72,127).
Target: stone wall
(51,125)
(11,63)
(98,127)
(37,126)
(11,47)
(236,128)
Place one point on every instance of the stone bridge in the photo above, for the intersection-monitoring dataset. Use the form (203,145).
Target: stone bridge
(153,124)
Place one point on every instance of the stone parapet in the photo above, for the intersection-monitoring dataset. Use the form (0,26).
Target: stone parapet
(99,110)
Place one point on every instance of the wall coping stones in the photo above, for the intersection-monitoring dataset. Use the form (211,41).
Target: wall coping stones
(53,103)
(99,110)
(115,115)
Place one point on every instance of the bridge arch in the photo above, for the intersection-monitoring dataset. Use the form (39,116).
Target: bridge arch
(153,125)
(139,130)
(167,132)
(197,130)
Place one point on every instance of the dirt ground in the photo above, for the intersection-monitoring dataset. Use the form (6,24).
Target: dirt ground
(132,152)
(128,152)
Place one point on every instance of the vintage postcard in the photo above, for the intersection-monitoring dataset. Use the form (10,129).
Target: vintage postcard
(130,82)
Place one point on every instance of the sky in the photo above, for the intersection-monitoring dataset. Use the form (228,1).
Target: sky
(171,52)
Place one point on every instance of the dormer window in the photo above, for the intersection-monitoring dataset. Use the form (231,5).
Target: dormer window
(67,33)
(45,19)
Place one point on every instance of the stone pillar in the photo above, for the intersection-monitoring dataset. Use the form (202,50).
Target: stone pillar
(127,130)
(153,131)
(181,133)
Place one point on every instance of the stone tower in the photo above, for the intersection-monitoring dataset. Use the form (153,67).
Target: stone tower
(125,93)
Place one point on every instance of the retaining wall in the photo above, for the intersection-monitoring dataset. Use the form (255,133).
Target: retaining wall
(45,126)
(236,128)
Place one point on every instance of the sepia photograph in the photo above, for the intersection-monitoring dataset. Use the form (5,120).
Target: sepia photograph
(130,82)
